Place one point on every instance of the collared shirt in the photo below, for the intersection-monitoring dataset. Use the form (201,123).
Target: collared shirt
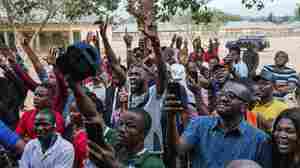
(60,155)
(213,148)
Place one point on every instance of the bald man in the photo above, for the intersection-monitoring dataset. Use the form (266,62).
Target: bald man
(243,164)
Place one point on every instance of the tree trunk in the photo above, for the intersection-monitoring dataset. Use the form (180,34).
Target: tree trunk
(10,16)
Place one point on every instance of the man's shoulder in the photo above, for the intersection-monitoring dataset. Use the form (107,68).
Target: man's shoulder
(259,135)
(150,161)
(279,104)
(204,121)
(63,143)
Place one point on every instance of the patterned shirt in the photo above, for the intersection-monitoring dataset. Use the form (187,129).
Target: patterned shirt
(285,75)
(213,148)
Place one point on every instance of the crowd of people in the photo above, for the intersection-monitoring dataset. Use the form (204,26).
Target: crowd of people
(168,107)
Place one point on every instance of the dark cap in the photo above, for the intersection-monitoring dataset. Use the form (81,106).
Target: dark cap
(240,90)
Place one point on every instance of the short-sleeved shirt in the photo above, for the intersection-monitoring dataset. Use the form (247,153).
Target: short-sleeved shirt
(285,75)
(215,148)
(270,110)
(8,138)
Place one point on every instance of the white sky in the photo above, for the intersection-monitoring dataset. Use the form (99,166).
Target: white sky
(278,7)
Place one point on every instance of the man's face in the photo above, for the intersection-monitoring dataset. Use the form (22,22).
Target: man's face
(131,129)
(285,136)
(137,79)
(168,56)
(221,75)
(52,78)
(75,114)
(212,63)
(235,55)
(44,125)
(263,89)
(192,67)
(281,60)
(228,104)
(41,97)
(197,45)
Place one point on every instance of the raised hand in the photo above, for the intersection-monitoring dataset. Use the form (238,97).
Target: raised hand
(174,38)
(51,58)
(103,27)
(128,39)
(8,54)
(186,43)
(103,155)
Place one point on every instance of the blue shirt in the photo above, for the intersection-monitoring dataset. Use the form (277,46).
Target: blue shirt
(213,148)
(287,74)
(241,69)
(8,138)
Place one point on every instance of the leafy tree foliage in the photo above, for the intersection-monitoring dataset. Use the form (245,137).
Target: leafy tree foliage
(201,14)
(77,8)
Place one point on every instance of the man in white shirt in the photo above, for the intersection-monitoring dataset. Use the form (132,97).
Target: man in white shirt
(49,149)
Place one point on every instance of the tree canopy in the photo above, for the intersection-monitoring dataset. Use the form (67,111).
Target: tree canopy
(198,8)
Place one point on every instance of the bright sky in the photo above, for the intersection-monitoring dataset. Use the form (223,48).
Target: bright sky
(278,7)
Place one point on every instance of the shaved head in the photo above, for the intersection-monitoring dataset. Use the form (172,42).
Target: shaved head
(243,164)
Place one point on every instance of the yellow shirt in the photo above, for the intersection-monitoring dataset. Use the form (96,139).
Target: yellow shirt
(270,110)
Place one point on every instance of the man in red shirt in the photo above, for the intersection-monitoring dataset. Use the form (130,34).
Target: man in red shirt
(42,99)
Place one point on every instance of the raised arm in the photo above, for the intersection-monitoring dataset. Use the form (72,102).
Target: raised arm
(111,54)
(174,143)
(161,66)
(101,153)
(29,83)
(173,41)
(38,66)
(130,55)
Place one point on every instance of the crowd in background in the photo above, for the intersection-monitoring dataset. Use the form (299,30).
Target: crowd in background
(170,106)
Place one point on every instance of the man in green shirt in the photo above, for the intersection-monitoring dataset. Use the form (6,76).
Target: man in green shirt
(116,148)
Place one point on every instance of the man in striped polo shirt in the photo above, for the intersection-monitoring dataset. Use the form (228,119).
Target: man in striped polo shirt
(284,78)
